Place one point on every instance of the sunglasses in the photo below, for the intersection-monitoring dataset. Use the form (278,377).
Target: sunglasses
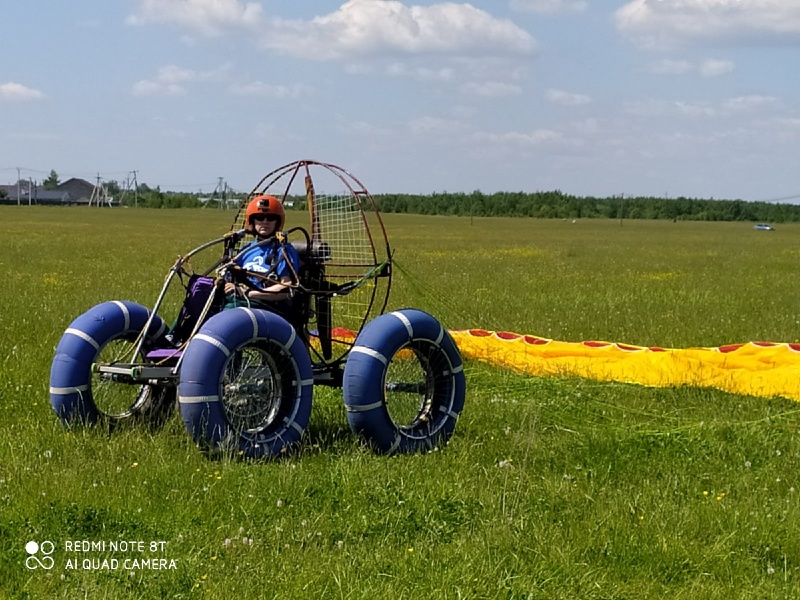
(270,218)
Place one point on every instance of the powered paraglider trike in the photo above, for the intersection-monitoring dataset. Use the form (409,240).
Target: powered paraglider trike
(243,377)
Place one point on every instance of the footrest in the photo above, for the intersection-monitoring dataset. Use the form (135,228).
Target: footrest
(164,353)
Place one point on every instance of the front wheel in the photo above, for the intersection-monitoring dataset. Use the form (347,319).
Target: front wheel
(404,384)
(106,333)
(246,384)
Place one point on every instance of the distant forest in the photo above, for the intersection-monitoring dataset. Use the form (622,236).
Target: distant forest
(557,205)
(546,205)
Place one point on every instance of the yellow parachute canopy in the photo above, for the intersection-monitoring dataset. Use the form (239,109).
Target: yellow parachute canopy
(755,368)
(764,369)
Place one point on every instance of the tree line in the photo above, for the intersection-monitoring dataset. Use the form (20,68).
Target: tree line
(545,204)
(557,205)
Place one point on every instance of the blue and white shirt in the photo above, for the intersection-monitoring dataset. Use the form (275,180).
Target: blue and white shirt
(269,259)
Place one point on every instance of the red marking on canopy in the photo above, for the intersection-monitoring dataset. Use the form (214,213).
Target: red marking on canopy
(507,335)
(596,344)
(342,333)
(529,339)
(765,344)
(794,347)
(730,347)
(657,349)
(479,332)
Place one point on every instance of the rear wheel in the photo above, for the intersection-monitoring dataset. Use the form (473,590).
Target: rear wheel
(404,384)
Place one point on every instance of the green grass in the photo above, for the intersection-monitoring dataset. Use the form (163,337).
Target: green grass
(550,488)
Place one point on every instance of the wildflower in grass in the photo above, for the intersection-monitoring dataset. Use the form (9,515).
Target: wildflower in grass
(340,544)
(770,570)
(119,469)
(227,543)
(504,463)
(720,496)
(134,465)
(48,454)
(410,550)
(747,464)
(279,503)
(705,492)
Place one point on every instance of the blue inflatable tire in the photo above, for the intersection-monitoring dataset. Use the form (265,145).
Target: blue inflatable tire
(246,384)
(404,384)
(105,333)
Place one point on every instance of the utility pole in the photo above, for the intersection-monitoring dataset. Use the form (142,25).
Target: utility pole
(18,191)
(135,190)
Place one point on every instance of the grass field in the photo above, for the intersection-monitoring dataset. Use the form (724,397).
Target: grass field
(550,488)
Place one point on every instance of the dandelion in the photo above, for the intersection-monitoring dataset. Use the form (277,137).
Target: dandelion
(504,463)
(705,493)
(340,544)
(410,550)
(770,570)
(747,464)
(203,577)
(304,523)
(227,543)
(213,558)
(241,530)
(134,465)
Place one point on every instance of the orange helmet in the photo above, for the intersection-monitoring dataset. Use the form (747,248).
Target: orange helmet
(264,205)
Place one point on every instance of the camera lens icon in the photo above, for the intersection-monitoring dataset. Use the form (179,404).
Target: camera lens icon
(33,561)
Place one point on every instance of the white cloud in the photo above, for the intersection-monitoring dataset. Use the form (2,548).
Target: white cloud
(746,103)
(380,27)
(724,109)
(491,89)
(706,68)
(271,90)
(436,126)
(536,137)
(671,67)
(663,23)
(567,98)
(17,92)
(205,17)
(549,6)
(172,81)
(421,73)
(714,68)
(665,108)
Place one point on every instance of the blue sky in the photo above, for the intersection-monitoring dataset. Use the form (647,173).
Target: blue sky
(699,98)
